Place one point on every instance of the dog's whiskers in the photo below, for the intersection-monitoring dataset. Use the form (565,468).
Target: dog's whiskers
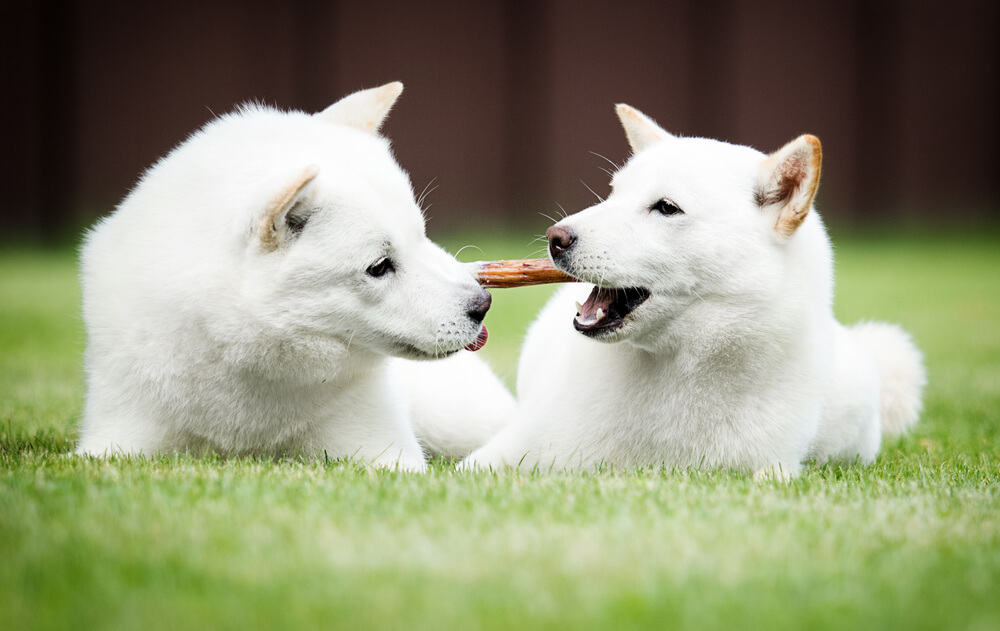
(542,251)
(540,239)
(424,193)
(549,217)
(608,160)
(592,191)
(461,249)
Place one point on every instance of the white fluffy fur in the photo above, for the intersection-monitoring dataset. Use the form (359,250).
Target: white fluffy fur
(229,306)
(735,360)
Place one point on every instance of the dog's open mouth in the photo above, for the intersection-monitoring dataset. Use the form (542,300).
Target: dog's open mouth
(606,309)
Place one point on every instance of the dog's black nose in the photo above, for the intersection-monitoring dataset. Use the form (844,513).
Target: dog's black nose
(479,306)
(560,240)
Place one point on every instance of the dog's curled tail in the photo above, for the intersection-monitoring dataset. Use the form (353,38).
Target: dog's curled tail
(903,377)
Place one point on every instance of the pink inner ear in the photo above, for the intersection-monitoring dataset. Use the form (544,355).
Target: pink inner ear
(792,182)
(795,190)
(793,173)
(787,179)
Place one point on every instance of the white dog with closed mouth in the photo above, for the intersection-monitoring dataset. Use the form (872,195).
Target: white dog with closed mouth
(709,338)
(246,298)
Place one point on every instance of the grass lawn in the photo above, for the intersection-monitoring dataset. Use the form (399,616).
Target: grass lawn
(911,542)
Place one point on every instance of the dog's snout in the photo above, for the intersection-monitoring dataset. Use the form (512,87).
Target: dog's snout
(560,240)
(479,306)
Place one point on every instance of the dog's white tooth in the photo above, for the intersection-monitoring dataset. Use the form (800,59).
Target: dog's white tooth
(599,314)
(579,308)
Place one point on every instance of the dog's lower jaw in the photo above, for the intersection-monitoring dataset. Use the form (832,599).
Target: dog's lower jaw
(611,335)
(408,351)
(405,349)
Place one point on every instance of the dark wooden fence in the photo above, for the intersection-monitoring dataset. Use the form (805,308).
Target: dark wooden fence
(506,101)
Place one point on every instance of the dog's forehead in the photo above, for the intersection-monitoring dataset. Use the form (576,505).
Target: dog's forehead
(688,160)
(355,168)
(375,198)
(264,137)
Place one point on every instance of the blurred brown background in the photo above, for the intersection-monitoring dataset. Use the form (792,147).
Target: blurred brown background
(505,101)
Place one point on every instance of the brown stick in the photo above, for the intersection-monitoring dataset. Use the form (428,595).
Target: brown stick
(519,273)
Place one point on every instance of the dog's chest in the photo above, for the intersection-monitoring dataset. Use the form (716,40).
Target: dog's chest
(672,416)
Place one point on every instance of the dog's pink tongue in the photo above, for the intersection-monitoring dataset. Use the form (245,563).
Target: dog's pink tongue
(480,340)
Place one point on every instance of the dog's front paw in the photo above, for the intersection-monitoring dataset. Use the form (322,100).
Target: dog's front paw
(777,471)
(483,459)
(471,463)
(491,458)
(400,462)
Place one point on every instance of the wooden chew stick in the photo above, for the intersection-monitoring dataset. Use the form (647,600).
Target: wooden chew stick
(519,273)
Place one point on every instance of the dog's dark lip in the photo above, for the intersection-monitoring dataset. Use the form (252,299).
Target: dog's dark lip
(409,351)
(607,309)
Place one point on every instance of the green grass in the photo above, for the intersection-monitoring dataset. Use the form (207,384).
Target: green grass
(911,542)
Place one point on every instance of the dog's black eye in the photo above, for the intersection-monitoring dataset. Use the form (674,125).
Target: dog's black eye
(381,267)
(666,208)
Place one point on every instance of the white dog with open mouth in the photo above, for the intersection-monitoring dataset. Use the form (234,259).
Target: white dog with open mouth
(709,337)
(246,296)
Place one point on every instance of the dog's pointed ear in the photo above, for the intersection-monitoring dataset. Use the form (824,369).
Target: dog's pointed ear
(787,182)
(278,218)
(640,129)
(365,110)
